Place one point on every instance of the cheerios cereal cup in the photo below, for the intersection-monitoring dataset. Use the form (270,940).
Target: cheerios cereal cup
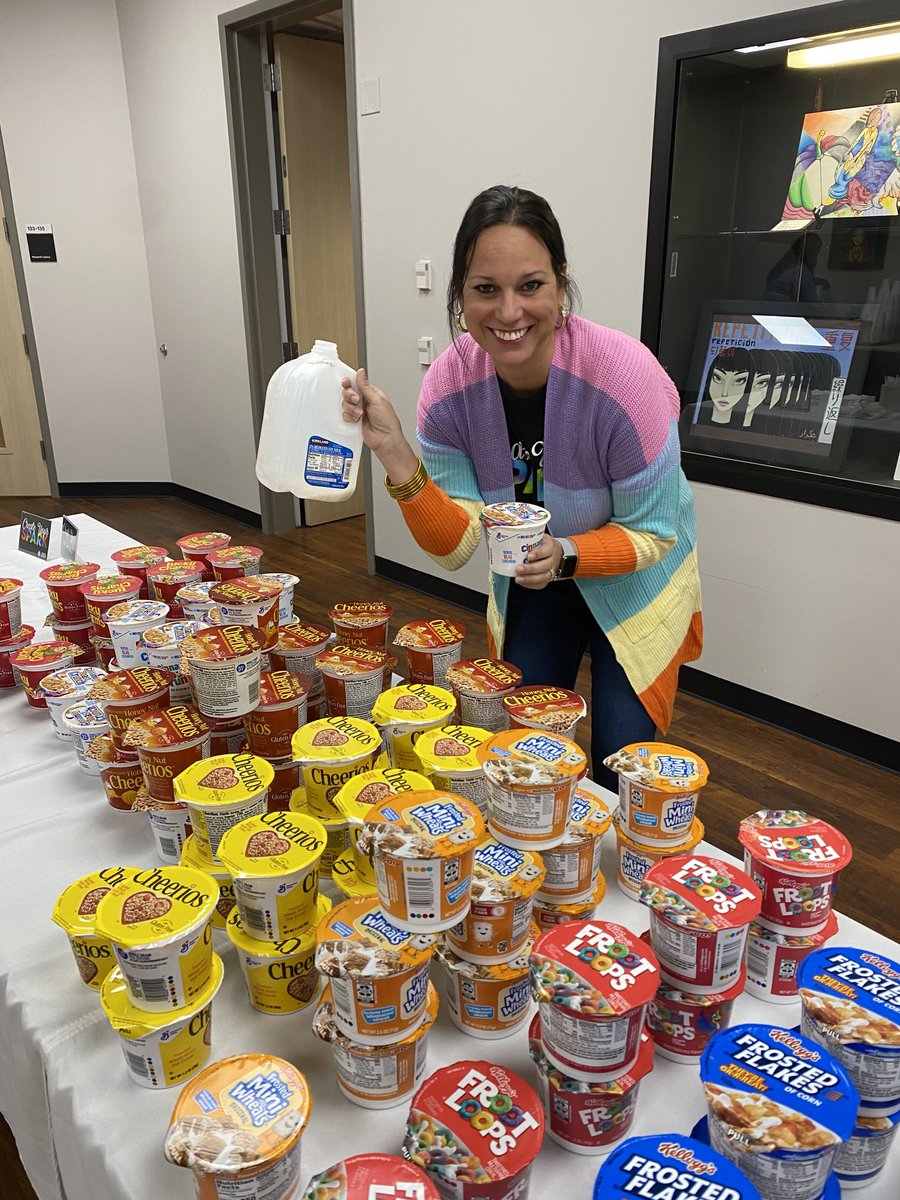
(83,721)
(531,778)
(234,562)
(127,695)
(136,561)
(496,927)
(224,663)
(369,1175)
(62,688)
(296,651)
(34,662)
(512,530)
(170,824)
(63,583)
(331,752)
(659,787)
(10,608)
(119,771)
(484,999)
(635,859)
(191,857)
(346,876)
(553,709)
(353,677)
(337,836)
(280,713)
(197,546)
(75,912)
(548,916)
(221,792)
(573,866)
(773,960)
(404,713)
(281,977)
(480,686)
(102,592)
(287,583)
(362,623)
(431,647)
(250,601)
(167,742)
(10,646)
(449,757)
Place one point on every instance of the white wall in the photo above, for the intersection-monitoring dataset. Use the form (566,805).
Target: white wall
(65,129)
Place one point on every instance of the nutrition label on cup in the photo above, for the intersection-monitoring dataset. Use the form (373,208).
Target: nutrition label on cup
(369,1075)
(603,1041)
(520,810)
(226,693)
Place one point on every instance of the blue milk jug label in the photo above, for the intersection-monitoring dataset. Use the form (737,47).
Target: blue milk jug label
(328,464)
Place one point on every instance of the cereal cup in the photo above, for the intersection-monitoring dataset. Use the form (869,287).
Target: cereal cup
(281,977)
(170,824)
(659,786)
(480,686)
(779,1107)
(353,801)
(347,877)
(287,583)
(296,651)
(36,661)
(573,866)
(285,781)
(226,735)
(449,756)
(672,1161)
(63,583)
(10,608)
(773,960)
(128,622)
(531,781)
(496,927)
(353,677)
(862,1159)
(225,664)
(81,636)
(475,1128)
(362,623)
(365,1176)
(512,530)
(681,1023)
(191,857)
(83,721)
(11,646)
(404,713)
(423,846)
(548,916)
(162,1049)
(488,1000)
(378,972)
(162,646)
(330,752)
(234,562)
(238,1124)
(127,695)
(250,601)
(337,836)
(700,913)
(197,546)
(431,647)
(555,710)
(796,860)
(119,771)
(159,924)
(75,911)
(167,578)
(221,792)
(63,688)
(104,653)
(635,860)
(593,981)
(102,592)
(136,561)
(167,742)
(280,713)
(587,1118)
(193,600)
(376,1076)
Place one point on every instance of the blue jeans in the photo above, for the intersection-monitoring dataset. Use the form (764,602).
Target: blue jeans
(547,633)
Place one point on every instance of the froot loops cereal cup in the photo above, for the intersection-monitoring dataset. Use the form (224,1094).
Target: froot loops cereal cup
(167,742)
(475,1128)
(287,583)
(10,608)
(681,1024)
(700,912)
(861,1160)
(162,1049)
(779,1107)
(431,647)
(671,1162)
(331,752)
(80,634)
(128,622)
(63,583)
(659,786)
(353,677)
(281,977)
(587,1118)
(480,686)
(362,623)
(773,960)
(636,859)
(593,981)
(404,713)
(83,721)
(136,561)
(75,912)
(10,646)
(63,688)
(191,857)
(36,661)
(488,1000)
(531,778)
(548,916)
(119,771)
(448,755)
(280,713)
(197,546)
(170,824)
(194,602)
(369,1175)
(234,562)
(796,861)
(167,578)
(296,651)
(512,530)
(162,646)
(127,695)
(225,664)
(504,883)
(423,845)
(249,601)
(573,866)
(221,792)
(158,921)
(376,1076)
(102,592)
(239,1124)
(553,709)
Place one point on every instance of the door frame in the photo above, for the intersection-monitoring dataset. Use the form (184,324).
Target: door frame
(27,324)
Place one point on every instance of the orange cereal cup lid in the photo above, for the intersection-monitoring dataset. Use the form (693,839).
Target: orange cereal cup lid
(580,959)
(227,556)
(70,572)
(40,654)
(524,758)
(75,909)
(251,589)
(166,728)
(549,707)
(430,635)
(288,947)
(224,779)
(660,767)
(792,839)
(282,687)
(484,676)
(110,585)
(503,873)
(203,541)
(423,825)
(185,569)
(353,660)
(588,817)
(694,837)
(222,642)
(414,704)
(302,635)
(146,556)
(119,687)
(156,905)
(238,1116)
(361,613)
(361,793)
(331,739)
(273,844)
(451,748)
(357,938)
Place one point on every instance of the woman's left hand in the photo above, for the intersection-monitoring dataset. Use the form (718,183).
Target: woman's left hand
(542,564)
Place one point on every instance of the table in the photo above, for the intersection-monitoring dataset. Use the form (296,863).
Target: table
(84,1130)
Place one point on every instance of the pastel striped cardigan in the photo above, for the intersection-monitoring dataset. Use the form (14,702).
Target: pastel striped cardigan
(612,482)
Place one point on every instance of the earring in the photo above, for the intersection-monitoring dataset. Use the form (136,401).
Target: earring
(562,318)
(460,321)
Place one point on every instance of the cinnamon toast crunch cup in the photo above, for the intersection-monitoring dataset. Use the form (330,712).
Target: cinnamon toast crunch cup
(10,608)
(102,592)
(573,866)
(162,646)
(353,677)
(234,562)
(194,603)
(512,530)
(431,647)
(532,778)
(331,752)
(337,838)
(504,883)
(197,546)
(225,663)
(63,582)
(10,646)
(221,792)
(773,960)
(448,754)
(362,623)
(484,999)
(128,622)
(136,561)
(480,686)
(251,601)
(553,709)
(167,742)
(35,661)
(281,977)
(62,688)
(280,713)
(75,912)
(404,713)
(165,579)
(659,786)
(635,860)
(287,583)
(129,694)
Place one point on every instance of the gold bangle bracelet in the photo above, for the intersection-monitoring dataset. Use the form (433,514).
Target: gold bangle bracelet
(411,488)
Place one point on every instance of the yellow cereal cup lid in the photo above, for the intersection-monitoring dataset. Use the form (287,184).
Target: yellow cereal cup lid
(357,938)
(75,910)
(166,728)
(334,738)
(430,635)
(155,905)
(297,943)
(524,758)
(130,1022)
(413,703)
(224,779)
(192,856)
(353,660)
(276,843)
(451,747)
(502,873)
(659,766)
(345,875)
(363,792)
(325,1027)
(424,825)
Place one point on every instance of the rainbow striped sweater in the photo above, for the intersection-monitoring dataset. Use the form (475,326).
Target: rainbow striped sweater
(612,482)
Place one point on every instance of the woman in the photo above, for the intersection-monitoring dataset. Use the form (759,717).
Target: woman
(618,573)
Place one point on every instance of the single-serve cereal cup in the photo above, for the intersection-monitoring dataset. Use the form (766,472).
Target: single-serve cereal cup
(102,592)
(194,603)
(10,646)
(119,771)
(36,661)
(423,845)
(553,709)
(10,608)
(773,960)
(496,926)
(226,734)
(634,859)
(80,634)
(162,1049)
(431,647)
(136,561)
(532,778)
(238,1125)
(484,999)
(672,1163)
(573,866)
(287,583)
(366,1176)
(362,623)
(250,601)
(862,1159)
(83,721)
(128,622)
(170,824)
(378,972)
(448,755)
(191,857)
(700,912)
(593,981)
(167,742)
(337,837)
(476,1128)
(659,786)
(63,583)
(127,695)
(331,752)
(158,921)
(234,562)
(376,1076)
(779,1108)
(353,677)
(512,530)
(167,578)
(285,781)
(63,688)
(681,1023)
(796,860)
(162,646)
(281,977)
(221,792)
(197,546)
(404,713)
(75,911)
(296,651)
(353,802)
(548,916)
(225,664)
(480,686)
(280,713)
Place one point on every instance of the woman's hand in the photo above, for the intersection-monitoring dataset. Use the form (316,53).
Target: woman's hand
(381,428)
(541,565)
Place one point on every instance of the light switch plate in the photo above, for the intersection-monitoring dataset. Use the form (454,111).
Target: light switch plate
(370,96)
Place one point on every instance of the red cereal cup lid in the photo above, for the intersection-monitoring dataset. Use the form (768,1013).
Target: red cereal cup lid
(40,653)
(143,555)
(203,541)
(484,675)
(591,957)
(699,892)
(70,572)
(659,766)
(111,585)
(368,1176)
(130,685)
(613,1087)
(9,585)
(791,838)
(228,555)
(302,635)
(551,707)
(479,1112)
(430,635)
(186,569)
(169,727)
(361,612)
(424,824)
(25,634)
(221,642)
(250,589)
(281,687)
(353,660)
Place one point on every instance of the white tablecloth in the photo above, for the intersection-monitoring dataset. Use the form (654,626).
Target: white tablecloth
(84,1130)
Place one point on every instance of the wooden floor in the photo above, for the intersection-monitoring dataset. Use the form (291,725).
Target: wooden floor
(752,765)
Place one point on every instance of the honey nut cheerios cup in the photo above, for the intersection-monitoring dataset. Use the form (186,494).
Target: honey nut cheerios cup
(504,883)
(285,781)
(119,771)
(75,911)
(251,601)
(136,561)
(167,742)
(197,546)
(480,686)
(488,1000)
(10,646)
(287,583)
(37,660)
(555,710)
(431,647)
(239,1123)
(10,608)
(404,713)
(85,720)
(296,651)
(773,960)
(659,786)
(102,592)
(129,694)
(62,688)
(234,562)
(191,857)
(167,578)
(448,754)
(193,601)
(548,916)
(367,1175)
(224,665)
(63,582)
(573,866)
(280,713)
(221,792)
(635,859)
(331,752)
(226,734)
(353,677)
(281,977)
(362,623)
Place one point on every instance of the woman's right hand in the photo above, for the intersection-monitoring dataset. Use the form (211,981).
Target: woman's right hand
(381,428)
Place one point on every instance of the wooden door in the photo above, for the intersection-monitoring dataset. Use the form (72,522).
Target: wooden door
(312,114)
(23,471)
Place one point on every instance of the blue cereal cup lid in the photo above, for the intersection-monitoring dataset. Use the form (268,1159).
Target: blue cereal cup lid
(670,1164)
(854,996)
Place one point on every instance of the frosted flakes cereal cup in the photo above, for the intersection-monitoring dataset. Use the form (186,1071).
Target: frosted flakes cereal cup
(593,981)
(773,960)
(296,651)
(170,824)
(234,562)
(700,913)
(431,647)
(80,634)
(353,677)
(221,792)
(250,601)
(573,866)
(75,911)
(83,721)
(553,709)
(496,927)
(449,757)
(548,916)
(191,857)
(331,752)
(136,560)
(862,1159)
(779,1108)
(488,1000)
(423,845)
(376,1076)
(36,661)
(127,695)
(404,713)
(225,663)
(287,583)
(281,977)
(659,786)
(512,530)
(531,781)
(63,688)
(167,742)
(650,1163)
(681,1023)
(285,781)
(197,546)
(162,646)
(480,686)
(587,1118)
(11,646)
(119,771)
(280,713)
(162,1049)
(274,861)
(167,578)
(378,972)
(635,860)
(362,623)
(102,592)
(158,921)
(475,1128)
(194,602)
(796,860)
(10,608)
(128,622)
(370,1175)
(63,583)
(238,1124)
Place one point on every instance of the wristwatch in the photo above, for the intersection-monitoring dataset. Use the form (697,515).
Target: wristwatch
(568,563)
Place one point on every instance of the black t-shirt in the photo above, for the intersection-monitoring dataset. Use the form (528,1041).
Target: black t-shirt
(525,427)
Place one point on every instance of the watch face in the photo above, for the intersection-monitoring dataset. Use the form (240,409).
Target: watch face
(567,566)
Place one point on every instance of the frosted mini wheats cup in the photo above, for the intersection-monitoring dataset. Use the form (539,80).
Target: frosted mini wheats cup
(480,686)
(353,676)
(512,530)
(448,755)
(63,583)
(362,623)
(221,792)
(250,601)
(281,977)
(670,1162)
(225,664)
(331,752)
(553,709)
(573,867)
(488,1000)
(431,646)
(659,787)
(548,916)
(496,927)
(369,1175)
(404,713)
(636,859)
(353,801)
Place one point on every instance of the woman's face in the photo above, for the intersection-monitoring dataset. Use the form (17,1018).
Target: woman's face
(726,388)
(510,301)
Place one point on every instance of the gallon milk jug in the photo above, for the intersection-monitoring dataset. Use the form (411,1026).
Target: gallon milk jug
(305,446)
